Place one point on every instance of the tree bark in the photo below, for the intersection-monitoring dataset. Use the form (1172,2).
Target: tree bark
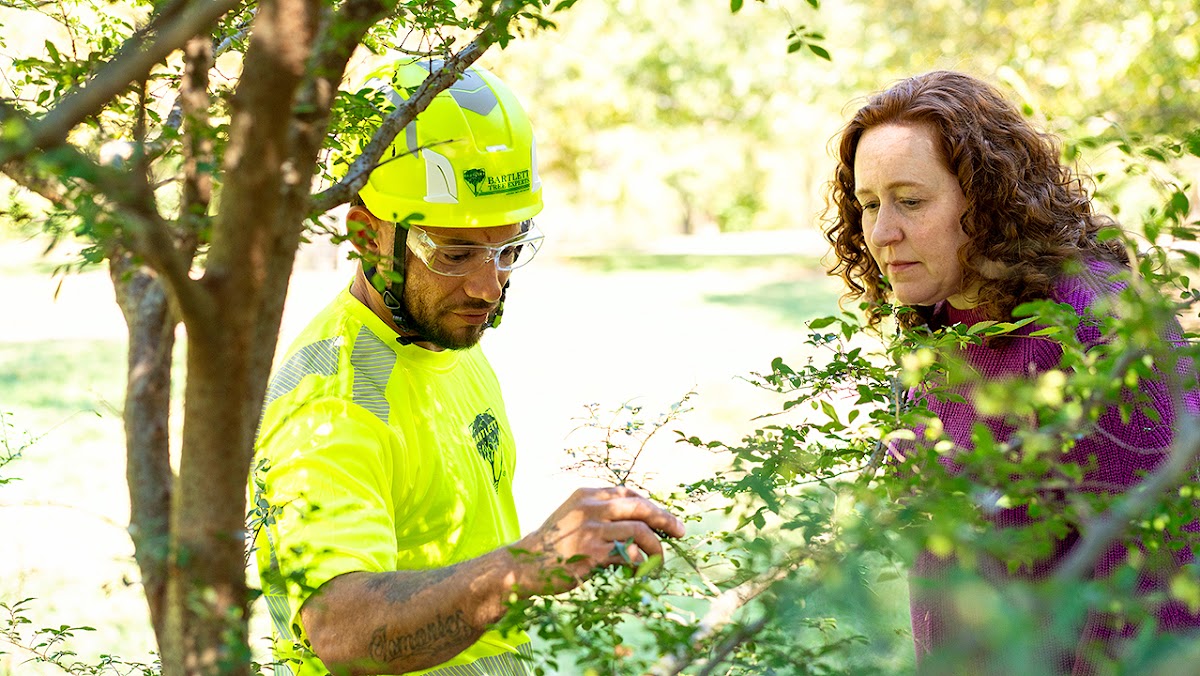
(144,303)
(249,264)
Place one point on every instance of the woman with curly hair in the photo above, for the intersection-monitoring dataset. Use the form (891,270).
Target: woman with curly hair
(948,202)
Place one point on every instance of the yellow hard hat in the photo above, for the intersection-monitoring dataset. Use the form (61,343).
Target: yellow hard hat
(467,161)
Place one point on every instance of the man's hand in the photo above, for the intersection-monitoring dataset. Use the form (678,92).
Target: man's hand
(582,535)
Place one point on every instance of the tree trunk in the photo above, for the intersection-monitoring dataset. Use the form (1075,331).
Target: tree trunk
(151,323)
(207,590)
(232,334)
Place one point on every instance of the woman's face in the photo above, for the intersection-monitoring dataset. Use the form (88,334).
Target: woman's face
(911,211)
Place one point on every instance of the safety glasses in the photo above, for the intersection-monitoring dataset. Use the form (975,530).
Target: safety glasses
(459,260)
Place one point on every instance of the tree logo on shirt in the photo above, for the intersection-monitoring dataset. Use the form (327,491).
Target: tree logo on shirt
(486,433)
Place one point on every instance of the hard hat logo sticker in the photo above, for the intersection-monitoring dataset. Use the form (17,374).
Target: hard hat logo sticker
(481,184)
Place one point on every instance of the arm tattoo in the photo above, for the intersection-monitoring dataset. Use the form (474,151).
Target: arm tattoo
(443,631)
(402,590)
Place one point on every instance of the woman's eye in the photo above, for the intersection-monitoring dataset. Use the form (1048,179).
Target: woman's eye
(870,206)
(910,202)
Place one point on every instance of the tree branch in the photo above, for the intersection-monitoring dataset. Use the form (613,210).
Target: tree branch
(338,38)
(133,62)
(51,190)
(719,614)
(731,643)
(1099,533)
(259,161)
(175,117)
(198,142)
(146,233)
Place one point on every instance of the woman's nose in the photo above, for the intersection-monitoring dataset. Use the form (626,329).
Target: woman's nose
(885,230)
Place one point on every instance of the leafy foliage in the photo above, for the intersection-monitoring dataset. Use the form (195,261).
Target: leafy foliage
(840,490)
(51,646)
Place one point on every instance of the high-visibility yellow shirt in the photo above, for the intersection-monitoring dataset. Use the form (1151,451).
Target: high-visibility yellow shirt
(374,456)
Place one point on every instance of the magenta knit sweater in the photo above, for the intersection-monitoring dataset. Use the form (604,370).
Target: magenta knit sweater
(1123,453)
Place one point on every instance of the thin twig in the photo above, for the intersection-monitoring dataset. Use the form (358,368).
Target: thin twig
(133,62)
(719,614)
(1099,533)
(731,643)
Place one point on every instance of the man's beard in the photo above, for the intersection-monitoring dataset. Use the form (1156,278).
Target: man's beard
(429,320)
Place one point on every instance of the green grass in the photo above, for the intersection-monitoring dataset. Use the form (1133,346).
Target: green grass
(792,301)
(622,261)
(63,515)
(52,380)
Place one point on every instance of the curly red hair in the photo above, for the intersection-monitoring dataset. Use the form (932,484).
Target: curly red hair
(1027,213)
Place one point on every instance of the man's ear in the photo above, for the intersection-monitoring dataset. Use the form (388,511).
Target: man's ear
(363,230)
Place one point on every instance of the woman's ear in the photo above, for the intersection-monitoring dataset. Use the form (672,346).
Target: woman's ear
(363,230)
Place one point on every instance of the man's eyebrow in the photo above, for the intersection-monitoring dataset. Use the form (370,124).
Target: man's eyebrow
(451,240)
(439,238)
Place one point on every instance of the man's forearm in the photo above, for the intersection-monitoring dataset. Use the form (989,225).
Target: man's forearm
(367,623)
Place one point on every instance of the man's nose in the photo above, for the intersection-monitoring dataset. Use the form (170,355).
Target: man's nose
(486,282)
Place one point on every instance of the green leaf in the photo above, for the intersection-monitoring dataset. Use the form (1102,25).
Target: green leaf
(981,326)
(1193,142)
(829,411)
(821,322)
(1179,206)
(820,51)
(735,6)
(1152,229)
(649,566)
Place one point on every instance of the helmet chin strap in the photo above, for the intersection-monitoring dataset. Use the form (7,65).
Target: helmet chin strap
(499,313)
(393,295)
(393,292)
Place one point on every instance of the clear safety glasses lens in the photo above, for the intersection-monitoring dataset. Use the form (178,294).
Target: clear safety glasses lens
(458,260)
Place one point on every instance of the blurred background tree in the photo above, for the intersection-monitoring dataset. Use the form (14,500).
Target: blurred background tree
(672,117)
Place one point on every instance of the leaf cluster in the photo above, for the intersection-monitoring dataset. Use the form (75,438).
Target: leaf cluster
(853,478)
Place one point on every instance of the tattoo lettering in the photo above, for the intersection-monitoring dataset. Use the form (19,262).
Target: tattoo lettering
(443,631)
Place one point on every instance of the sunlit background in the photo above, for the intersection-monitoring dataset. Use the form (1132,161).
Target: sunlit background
(684,153)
